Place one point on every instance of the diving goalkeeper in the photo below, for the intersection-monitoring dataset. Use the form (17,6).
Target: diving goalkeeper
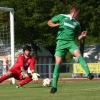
(23,69)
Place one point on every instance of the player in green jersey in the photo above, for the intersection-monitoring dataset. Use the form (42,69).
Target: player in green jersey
(68,28)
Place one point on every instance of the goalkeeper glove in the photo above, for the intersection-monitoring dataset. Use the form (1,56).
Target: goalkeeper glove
(35,76)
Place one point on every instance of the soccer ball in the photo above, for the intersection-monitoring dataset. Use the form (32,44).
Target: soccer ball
(46,82)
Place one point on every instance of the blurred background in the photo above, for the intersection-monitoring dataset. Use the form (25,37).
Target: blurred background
(30,23)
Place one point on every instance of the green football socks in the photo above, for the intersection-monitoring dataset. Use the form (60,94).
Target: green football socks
(84,65)
(57,70)
(55,75)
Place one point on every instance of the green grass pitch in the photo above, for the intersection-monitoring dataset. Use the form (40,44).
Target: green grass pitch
(67,90)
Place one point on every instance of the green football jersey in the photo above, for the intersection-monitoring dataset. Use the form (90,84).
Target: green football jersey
(69,27)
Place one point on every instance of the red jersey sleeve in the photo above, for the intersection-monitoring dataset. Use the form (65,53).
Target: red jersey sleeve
(20,61)
(32,63)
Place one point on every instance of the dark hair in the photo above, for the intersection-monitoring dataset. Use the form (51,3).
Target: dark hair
(26,47)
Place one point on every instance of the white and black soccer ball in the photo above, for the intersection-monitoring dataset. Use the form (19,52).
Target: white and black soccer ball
(46,82)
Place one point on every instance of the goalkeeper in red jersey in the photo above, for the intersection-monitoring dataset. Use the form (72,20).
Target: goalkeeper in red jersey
(22,69)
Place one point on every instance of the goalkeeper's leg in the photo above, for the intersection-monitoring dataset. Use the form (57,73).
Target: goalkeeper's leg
(5,76)
(25,81)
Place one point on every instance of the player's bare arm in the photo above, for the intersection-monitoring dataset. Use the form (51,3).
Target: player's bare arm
(52,24)
(82,35)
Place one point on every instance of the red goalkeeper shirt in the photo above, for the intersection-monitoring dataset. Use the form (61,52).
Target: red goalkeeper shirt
(24,63)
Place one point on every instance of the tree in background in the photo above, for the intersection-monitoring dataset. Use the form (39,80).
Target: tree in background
(31,18)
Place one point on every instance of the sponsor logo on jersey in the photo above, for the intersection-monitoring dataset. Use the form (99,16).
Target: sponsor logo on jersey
(69,25)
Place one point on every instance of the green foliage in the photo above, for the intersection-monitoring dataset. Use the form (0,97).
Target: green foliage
(31,18)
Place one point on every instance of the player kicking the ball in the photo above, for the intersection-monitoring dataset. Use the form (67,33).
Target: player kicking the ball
(68,28)
(23,69)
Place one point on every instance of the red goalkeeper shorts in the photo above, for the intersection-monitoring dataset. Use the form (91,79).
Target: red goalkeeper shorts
(16,73)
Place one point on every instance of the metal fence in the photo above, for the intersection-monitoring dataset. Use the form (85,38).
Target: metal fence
(67,70)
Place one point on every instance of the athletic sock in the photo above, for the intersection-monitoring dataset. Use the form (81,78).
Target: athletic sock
(25,81)
(55,75)
(84,64)
(2,78)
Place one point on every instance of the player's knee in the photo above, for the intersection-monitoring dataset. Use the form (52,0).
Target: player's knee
(9,74)
(76,53)
(58,60)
